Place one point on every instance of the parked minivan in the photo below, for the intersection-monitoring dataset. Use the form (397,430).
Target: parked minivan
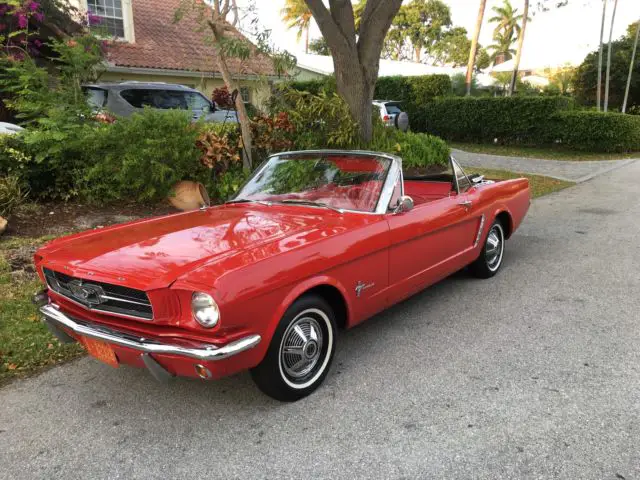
(126,98)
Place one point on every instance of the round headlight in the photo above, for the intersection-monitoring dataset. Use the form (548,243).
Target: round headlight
(205,309)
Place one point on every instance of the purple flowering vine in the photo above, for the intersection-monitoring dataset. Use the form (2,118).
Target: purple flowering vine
(20,24)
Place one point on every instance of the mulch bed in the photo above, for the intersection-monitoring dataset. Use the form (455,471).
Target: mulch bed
(60,218)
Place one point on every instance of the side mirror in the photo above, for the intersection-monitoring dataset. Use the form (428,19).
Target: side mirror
(477,178)
(405,204)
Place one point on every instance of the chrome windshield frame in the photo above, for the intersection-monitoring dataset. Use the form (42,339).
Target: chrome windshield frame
(386,192)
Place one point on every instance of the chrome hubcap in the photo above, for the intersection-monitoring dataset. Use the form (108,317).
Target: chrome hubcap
(494,248)
(301,347)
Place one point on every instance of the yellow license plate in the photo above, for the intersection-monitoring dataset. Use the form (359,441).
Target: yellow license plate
(100,350)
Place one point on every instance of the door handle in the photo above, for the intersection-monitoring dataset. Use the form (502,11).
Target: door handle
(466,204)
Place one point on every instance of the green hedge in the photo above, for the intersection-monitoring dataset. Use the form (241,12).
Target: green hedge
(535,121)
(593,131)
(413,92)
(508,119)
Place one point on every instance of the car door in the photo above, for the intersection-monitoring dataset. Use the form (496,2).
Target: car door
(430,241)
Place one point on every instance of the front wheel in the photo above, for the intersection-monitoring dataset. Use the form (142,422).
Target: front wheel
(490,259)
(300,352)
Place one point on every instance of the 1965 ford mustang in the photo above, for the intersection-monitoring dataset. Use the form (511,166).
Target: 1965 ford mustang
(314,242)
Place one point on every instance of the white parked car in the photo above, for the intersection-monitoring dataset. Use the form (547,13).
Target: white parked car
(392,115)
(9,128)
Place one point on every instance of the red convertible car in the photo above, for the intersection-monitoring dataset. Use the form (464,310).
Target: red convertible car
(315,241)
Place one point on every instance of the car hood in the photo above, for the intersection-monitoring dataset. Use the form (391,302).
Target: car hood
(154,253)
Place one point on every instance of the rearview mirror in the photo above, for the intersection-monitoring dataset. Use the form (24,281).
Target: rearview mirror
(405,204)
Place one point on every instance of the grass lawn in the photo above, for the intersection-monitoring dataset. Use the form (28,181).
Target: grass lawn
(26,345)
(539,185)
(549,153)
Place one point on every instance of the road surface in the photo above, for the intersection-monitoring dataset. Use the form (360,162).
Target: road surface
(532,374)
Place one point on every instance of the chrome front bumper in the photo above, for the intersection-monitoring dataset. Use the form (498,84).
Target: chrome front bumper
(55,319)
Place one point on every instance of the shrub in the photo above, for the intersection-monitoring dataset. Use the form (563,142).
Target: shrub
(593,131)
(319,121)
(315,87)
(509,119)
(12,194)
(417,150)
(141,157)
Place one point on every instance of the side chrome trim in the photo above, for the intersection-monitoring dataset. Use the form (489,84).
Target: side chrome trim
(479,234)
(207,352)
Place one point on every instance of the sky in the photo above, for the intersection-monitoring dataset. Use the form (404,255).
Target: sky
(563,35)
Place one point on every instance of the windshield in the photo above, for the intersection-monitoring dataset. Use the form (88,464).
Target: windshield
(342,180)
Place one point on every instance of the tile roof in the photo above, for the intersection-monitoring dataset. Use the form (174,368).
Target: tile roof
(161,43)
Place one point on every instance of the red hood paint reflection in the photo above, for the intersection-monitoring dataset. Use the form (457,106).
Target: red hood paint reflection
(153,253)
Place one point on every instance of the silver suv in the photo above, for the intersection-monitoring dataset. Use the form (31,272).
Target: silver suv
(392,115)
(126,98)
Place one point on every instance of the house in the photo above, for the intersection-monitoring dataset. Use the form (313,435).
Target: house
(315,67)
(150,46)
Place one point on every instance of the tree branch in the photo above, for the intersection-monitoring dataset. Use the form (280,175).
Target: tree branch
(326,23)
(374,25)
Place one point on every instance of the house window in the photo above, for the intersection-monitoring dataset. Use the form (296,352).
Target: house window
(106,15)
(245,94)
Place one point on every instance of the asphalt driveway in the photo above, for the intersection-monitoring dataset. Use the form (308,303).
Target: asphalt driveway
(532,374)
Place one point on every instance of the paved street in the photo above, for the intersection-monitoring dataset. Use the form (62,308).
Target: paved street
(532,374)
(570,171)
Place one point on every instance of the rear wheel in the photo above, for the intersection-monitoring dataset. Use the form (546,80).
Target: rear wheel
(300,352)
(490,259)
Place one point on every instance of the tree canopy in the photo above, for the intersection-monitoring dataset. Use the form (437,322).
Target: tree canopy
(586,77)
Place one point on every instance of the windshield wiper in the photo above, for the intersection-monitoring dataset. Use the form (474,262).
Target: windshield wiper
(248,200)
(313,204)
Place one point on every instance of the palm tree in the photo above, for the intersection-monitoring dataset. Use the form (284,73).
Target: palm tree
(507,19)
(633,61)
(606,81)
(501,48)
(599,91)
(296,14)
(516,65)
(506,31)
(474,46)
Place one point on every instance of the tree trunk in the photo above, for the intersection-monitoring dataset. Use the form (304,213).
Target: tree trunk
(474,45)
(516,65)
(357,91)
(306,40)
(418,51)
(633,61)
(243,117)
(606,82)
(356,54)
(599,88)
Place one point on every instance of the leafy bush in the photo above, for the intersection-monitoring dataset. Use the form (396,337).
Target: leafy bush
(417,150)
(12,194)
(319,121)
(508,119)
(141,157)
(593,131)
(315,87)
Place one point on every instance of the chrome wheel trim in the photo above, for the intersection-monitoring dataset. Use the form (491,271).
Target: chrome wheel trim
(494,247)
(305,348)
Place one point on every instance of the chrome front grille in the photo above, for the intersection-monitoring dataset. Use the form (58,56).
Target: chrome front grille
(99,296)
